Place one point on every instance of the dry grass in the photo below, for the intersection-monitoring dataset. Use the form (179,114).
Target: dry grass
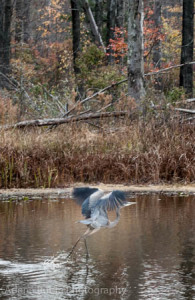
(132,153)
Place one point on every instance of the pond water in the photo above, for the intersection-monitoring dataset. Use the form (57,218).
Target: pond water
(150,254)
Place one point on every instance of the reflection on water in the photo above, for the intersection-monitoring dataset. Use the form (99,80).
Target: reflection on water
(150,254)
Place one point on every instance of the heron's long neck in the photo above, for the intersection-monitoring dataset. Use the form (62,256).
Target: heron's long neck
(112,224)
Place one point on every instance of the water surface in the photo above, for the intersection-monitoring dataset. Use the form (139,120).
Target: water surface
(150,254)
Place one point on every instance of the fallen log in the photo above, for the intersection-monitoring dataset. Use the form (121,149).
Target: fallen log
(190,100)
(58,121)
(188,111)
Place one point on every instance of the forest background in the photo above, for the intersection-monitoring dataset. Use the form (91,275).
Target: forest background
(122,84)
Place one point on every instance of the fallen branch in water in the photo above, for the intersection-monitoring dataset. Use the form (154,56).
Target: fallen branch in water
(58,121)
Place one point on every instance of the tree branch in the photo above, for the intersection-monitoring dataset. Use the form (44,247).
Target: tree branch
(120,82)
(94,27)
(94,95)
(169,68)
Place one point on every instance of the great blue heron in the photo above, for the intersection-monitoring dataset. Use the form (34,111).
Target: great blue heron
(95,205)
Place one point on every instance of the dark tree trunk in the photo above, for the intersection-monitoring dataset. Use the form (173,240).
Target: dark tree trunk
(99,14)
(75,33)
(7,33)
(76,46)
(157,23)
(19,21)
(186,72)
(1,28)
(5,39)
(111,23)
(120,14)
(22,20)
(26,20)
(156,51)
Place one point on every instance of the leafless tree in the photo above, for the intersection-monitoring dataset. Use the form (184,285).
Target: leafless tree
(135,50)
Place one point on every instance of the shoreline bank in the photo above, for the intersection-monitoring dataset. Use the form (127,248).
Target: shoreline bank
(66,191)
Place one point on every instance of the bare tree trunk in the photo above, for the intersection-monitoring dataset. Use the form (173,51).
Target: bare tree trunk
(135,50)
(186,72)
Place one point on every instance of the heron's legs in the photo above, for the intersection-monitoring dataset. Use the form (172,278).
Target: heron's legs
(87,233)
(86,264)
(83,235)
(71,251)
(86,247)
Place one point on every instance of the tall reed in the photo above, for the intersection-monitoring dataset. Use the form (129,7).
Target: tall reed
(122,152)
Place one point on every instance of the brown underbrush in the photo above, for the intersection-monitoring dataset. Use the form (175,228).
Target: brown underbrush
(121,152)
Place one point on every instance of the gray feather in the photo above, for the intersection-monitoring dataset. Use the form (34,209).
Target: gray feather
(82,193)
(112,201)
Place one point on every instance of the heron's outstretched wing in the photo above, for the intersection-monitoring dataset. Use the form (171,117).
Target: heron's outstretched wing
(112,201)
(82,193)
(88,198)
